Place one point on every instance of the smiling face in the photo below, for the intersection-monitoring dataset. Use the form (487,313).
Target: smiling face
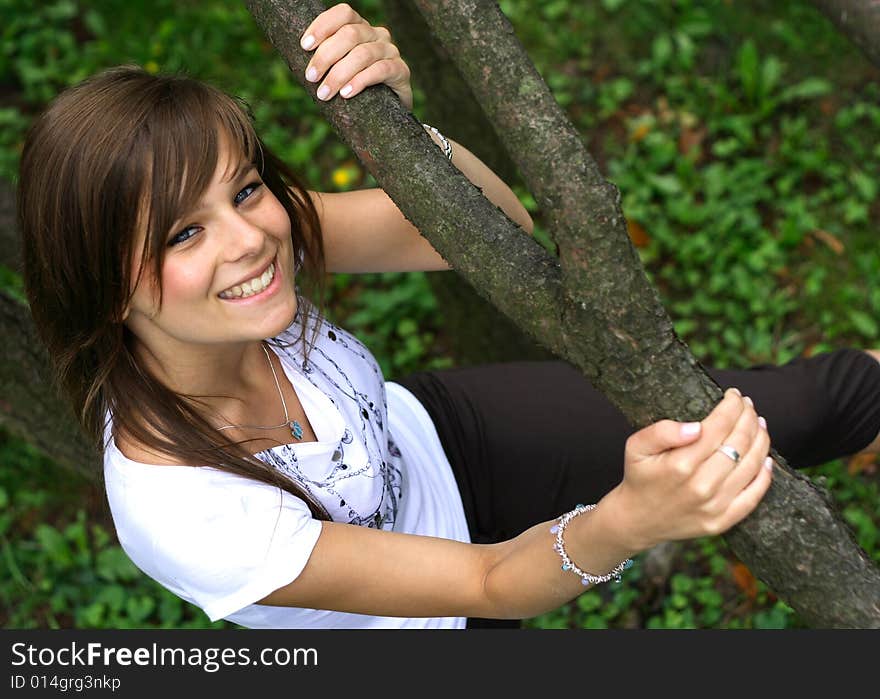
(227,275)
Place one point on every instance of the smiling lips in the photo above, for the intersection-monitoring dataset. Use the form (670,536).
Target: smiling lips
(250,287)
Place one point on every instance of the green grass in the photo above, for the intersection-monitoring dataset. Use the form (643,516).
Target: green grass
(744,140)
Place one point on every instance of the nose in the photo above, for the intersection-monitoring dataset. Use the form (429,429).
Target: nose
(242,238)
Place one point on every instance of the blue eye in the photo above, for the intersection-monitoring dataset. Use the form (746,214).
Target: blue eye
(182,236)
(175,240)
(250,189)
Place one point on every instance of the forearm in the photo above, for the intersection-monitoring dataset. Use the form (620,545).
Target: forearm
(492,186)
(526,577)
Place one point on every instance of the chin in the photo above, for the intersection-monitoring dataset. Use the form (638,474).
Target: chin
(284,318)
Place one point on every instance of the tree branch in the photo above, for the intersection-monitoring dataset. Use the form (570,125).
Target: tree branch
(858,21)
(616,330)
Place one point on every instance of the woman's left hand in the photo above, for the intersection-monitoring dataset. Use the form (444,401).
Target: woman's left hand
(356,54)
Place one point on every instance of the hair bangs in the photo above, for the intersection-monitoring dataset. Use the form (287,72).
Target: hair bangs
(190,129)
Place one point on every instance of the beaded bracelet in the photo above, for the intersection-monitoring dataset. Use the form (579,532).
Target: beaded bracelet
(567,564)
(447,146)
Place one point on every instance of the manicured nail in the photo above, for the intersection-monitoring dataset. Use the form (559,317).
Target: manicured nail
(345,91)
(307,42)
(768,464)
(323,91)
(762,422)
(689,429)
(312,74)
(748,401)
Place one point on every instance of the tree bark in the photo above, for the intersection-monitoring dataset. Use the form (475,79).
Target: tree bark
(858,21)
(30,406)
(10,245)
(478,332)
(594,305)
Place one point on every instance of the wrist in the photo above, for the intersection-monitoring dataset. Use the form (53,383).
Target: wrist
(615,515)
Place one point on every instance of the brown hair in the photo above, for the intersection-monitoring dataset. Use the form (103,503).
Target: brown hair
(122,149)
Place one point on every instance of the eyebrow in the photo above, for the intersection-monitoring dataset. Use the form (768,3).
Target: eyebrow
(243,168)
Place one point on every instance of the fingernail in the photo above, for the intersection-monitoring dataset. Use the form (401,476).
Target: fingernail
(689,429)
(307,41)
(323,91)
(345,91)
(748,400)
(768,464)
(735,390)
(762,422)
(312,74)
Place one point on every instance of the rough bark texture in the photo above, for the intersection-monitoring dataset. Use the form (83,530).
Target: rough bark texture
(29,404)
(477,331)
(594,305)
(859,21)
(398,152)
(10,249)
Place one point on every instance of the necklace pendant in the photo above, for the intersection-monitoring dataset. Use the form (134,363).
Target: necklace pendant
(296,429)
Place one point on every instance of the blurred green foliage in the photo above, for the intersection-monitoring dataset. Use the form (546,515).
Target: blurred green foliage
(744,140)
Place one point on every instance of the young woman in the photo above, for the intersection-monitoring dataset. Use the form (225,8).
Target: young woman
(167,252)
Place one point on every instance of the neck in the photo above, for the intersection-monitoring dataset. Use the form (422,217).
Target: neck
(225,378)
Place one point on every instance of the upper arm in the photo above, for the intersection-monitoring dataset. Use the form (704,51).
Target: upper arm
(367,571)
(364,231)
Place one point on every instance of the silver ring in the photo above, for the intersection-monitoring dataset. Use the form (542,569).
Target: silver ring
(730,452)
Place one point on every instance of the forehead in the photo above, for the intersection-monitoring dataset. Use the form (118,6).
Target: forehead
(182,183)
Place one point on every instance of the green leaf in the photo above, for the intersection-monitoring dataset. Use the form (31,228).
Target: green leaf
(864,323)
(113,564)
(855,211)
(665,184)
(771,72)
(170,609)
(139,608)
(808,89)
(865,185)
(681,583)
(589,601)
(54,545)
(679,601)
(91,616)
(747,66)
(661,49)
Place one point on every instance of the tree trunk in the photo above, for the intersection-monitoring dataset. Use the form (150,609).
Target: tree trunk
(10,245)
(858,21)
(594,305)
(30,405)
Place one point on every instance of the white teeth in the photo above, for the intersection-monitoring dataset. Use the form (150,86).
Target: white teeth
(250,287)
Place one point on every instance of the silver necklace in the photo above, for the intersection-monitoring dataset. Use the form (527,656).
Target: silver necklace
(295,428)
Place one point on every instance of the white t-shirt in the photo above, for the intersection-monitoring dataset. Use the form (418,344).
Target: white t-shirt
(222,541)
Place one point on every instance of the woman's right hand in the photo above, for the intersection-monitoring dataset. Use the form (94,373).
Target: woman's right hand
(676,483)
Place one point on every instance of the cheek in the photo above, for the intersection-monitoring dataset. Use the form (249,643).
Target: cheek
(276,218)
(182,283)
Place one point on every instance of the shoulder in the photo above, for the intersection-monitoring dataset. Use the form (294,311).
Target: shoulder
(135,450)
